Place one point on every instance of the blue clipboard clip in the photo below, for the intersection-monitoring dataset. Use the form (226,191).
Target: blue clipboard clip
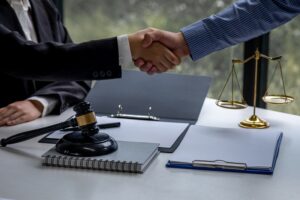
(219,164)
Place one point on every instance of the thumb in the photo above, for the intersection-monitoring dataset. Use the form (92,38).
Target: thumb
(147,41)
(151,37)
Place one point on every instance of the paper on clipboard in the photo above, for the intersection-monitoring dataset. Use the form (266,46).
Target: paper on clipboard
(228,149)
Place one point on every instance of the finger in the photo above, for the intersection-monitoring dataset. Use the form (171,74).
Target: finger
(172,58)
(3,121)
(147,41)
(161,68)
(147,67)
(15,116)
(139,62)
(166,63)
(152,71)
(149,38)
(149,72)
(7,113)
(19,120)
(3,110)
(142,68)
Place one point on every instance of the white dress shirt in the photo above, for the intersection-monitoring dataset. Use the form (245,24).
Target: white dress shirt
(22,8)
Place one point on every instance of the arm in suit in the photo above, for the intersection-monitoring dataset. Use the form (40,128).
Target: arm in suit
(59,61)
(243,20)
(99,58)
(66,94)
(59,58)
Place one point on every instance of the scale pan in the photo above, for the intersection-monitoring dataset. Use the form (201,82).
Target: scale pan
(278,99)
(231,104)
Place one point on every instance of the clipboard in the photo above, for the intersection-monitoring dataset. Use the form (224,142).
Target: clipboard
(164,97)
(231,150)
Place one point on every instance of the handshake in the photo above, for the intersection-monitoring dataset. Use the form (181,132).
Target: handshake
(157,51)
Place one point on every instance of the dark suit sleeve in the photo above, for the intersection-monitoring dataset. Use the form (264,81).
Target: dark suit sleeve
(67,94)
(57,61)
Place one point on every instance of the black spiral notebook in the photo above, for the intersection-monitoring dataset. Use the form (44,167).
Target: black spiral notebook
(132,157)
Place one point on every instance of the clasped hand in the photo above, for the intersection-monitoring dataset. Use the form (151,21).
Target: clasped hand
(156,51)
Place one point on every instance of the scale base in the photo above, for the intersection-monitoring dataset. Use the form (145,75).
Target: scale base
(254,122)
(77,144)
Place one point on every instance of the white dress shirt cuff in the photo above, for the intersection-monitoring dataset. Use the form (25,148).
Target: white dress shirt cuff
(125,57)
(47,102)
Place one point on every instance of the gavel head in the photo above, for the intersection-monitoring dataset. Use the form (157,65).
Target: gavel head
(88,141)
(86,118)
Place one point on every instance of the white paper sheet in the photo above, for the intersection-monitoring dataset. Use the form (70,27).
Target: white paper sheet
(255,148)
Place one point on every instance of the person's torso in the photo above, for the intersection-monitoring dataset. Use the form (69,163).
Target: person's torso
(44,19)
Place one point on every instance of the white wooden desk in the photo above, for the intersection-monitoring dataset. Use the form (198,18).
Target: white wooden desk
(23,178)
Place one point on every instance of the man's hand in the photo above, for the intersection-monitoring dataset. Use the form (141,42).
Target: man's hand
(155,54)
(174,41)
(20,112)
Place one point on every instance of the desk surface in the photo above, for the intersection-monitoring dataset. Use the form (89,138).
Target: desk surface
(23,178)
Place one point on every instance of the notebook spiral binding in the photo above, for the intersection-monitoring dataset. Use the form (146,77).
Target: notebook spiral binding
(90,163)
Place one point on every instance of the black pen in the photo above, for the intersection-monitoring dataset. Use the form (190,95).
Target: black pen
(101,126)
(109,125)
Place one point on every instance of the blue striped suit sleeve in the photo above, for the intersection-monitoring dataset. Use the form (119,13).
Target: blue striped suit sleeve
(243,20)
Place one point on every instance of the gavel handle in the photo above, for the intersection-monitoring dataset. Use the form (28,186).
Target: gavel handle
(20,137)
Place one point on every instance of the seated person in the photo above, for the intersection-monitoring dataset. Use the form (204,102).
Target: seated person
(25,100)
(35,45)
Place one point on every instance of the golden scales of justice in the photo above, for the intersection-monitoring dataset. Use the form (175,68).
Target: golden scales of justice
(254,121)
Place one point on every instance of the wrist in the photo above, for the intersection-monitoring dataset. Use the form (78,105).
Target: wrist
(135,44)
(38,105)
(183,44)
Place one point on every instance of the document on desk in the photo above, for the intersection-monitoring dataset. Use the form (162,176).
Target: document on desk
(167,134)
(227,149)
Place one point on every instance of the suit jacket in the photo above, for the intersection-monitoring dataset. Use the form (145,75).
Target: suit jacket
(55,57)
